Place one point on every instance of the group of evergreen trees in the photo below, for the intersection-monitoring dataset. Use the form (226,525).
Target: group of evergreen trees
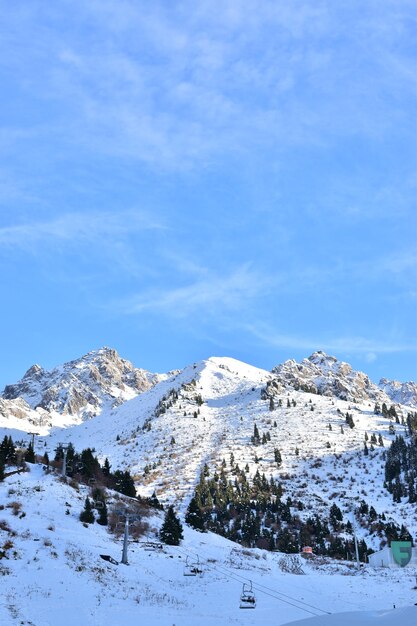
(7,454)
(256,438)
(86,467)
(401,469)
(99,503)
(255,514)
(11,455)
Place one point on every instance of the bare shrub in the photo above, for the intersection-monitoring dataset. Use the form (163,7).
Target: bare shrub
(15,506)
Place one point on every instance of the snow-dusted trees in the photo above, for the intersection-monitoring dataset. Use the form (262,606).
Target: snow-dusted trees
(171,529)
(401,469)
(277,457)
(30,454)
(255,437)
(195,516)
(87,515)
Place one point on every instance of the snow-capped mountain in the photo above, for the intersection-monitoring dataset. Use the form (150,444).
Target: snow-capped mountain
(81,388)
(326,375)
(218,417)
(403,393)
(179,422)
(204,413)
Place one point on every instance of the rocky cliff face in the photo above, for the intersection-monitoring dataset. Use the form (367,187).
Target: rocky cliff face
(81,387)
(401,393)
(325,375)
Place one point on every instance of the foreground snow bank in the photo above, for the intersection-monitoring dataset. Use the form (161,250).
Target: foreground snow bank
(406,616)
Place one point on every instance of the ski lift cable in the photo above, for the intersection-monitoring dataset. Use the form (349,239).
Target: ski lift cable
(238,578)
(276,594)
(272,595)
(359,606)
(259,585)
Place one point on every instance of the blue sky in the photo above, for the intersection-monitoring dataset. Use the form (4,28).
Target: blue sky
(234,177)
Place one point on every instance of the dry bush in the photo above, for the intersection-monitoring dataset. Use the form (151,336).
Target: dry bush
(15,506)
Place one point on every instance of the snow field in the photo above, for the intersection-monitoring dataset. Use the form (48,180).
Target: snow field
(53,574)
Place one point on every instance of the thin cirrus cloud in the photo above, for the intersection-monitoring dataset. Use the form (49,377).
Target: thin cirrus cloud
(178,87)
(212,295)
(343,344)
(76,228)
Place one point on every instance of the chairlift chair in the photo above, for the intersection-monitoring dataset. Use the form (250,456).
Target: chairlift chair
(247,597)
(152,546)
(192,568)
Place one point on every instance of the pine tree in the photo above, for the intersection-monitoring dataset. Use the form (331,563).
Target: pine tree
(194,516)
(30,454)
(87,515)
(277,457)
(171,530)
(1,470)
(124,483)
(106,467)
(271,404)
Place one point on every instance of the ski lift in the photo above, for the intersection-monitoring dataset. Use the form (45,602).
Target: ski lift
(192,568)
(247,597)
(152,546)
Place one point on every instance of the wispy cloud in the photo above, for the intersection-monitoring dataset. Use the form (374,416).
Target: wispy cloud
(179,87)
(342,344)
(77,228)
(212,295)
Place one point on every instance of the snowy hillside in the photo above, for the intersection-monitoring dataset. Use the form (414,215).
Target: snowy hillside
(52,572)
(207,412)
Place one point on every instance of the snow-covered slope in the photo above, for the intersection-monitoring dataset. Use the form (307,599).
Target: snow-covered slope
(52,574)
(207,412)
(80,389)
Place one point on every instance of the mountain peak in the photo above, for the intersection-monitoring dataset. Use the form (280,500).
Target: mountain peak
(81,387)
(35,371)
(325,374)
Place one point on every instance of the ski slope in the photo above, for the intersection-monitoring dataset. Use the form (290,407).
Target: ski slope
(52,573)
